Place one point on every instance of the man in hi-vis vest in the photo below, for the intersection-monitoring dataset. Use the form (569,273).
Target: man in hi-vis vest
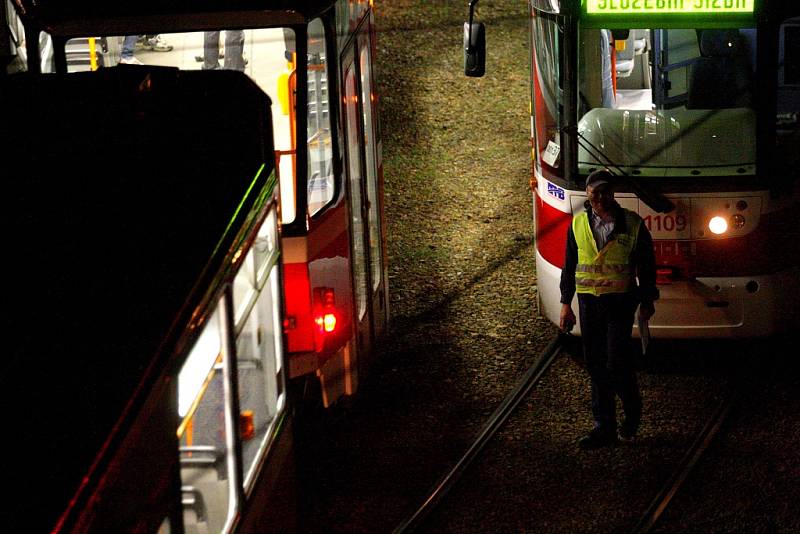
(608,248)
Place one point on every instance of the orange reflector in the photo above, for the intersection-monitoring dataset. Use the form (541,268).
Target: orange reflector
(247,427)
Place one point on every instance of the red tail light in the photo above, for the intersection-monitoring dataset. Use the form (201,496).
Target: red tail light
(327,322)
(325,309)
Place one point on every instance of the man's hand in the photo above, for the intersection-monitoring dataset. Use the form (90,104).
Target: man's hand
(567,319)
(646,310)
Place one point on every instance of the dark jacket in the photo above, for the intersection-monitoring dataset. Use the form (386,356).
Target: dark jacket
(643,259)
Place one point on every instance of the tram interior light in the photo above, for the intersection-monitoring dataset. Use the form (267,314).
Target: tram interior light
(718,225)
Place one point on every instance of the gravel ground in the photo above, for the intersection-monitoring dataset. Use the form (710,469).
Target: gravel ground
(464,328)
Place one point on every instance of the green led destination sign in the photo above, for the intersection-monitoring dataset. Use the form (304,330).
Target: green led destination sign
(673,7)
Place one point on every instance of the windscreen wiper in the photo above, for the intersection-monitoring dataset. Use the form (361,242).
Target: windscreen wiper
(656,200)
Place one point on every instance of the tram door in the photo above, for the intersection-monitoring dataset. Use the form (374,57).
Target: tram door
(374,208)
(362,191)
(675,51)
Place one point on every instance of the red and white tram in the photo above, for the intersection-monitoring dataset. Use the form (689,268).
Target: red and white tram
(694,105)
(315,60)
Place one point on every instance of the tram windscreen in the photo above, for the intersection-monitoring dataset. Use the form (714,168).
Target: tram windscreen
(264,54)
(667,102)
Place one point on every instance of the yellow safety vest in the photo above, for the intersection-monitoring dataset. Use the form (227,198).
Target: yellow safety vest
(609,270)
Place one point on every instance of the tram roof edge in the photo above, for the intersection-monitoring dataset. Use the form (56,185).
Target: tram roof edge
(80,17)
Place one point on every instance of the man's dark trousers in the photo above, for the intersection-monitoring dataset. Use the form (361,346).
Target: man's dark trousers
(606,326)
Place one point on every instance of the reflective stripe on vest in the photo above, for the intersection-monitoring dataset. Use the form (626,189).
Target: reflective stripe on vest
(608,270)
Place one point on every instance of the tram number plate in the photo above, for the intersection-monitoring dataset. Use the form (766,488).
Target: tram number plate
(550,154)
(672,225)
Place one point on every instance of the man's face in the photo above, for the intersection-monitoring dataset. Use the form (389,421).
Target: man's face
(601,197)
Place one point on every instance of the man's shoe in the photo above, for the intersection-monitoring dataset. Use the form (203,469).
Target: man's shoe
(157,44)
(130,61)
(627,431)
(597,438)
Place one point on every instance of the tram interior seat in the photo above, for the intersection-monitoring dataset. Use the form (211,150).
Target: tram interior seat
(720,78)
(195,518)
(205,488)
(634,45)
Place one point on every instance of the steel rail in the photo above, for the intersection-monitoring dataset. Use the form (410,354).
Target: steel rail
(687,463)
(495,421)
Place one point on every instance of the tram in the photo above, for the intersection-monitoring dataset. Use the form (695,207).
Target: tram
(315,60)
(144,385)
(694,106)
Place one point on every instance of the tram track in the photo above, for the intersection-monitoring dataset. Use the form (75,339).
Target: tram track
(663,497)
(689,461)
(493,424)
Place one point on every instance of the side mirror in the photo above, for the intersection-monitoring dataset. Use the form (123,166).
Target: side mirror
(474,49)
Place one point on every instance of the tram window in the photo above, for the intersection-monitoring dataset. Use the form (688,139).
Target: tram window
(244,287)
(347,16)
(320,150)
(545,90)
(207,483)
(683,110)
(261,389)
(258,344)
(265,246)
(372,166)
(356,185)
(789,62)
(265,62)
(788,119)
(47,63)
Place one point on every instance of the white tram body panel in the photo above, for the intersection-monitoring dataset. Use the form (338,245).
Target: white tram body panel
(701,307)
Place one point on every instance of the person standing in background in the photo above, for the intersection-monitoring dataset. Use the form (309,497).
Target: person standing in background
(234,50)
(148,42)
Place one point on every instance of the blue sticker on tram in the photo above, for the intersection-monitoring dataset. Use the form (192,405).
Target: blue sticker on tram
(554,190)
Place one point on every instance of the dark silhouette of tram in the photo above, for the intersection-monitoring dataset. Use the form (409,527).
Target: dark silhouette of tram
(145,379)
(314,59)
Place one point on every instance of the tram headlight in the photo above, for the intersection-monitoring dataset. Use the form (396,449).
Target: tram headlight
(737,221)
(718,225)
